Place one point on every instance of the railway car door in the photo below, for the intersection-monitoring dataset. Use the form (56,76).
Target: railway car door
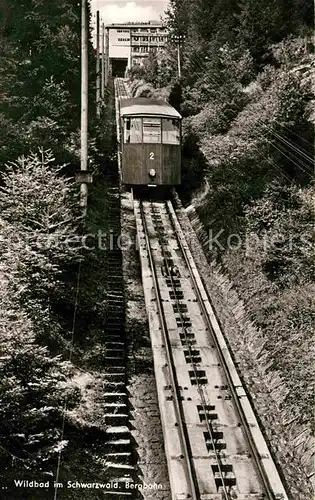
(132,151)
(152,150)
(171,153)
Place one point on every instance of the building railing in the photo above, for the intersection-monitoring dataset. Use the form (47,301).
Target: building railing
(147,42)
(148,33)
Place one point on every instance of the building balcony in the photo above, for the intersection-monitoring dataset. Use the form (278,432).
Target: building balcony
(137,43)
(148,33)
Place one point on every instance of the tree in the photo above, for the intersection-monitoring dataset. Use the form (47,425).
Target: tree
(40,81)
(39,223)
(48,39)
(175,98)
(151,67)
(178,16)
(33,388)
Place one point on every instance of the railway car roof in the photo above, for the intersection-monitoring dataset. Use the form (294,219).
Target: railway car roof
(144,106)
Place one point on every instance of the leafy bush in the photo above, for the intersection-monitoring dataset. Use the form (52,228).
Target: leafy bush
(139,88)
(136,72)
(284,223)
(237,63)
(292,51)
(214,119)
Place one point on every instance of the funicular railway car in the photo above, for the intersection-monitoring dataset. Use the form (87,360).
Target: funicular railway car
(150,142)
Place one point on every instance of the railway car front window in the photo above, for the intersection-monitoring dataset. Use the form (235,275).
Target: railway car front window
(151,130)
(171,131)
(133,131)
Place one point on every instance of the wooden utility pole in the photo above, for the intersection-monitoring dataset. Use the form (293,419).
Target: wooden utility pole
(98,76)
(178,39)
(106,55)
(84,104)
(103,62)
(178,61)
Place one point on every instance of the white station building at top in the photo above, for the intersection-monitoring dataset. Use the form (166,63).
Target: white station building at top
(129,43)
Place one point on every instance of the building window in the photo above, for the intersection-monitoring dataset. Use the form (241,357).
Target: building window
(171,131)
(152,130)
(132,129)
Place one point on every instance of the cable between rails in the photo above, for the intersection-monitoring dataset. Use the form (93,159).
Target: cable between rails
(195,370)
(177,406)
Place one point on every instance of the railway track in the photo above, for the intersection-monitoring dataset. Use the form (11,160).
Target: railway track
(214,447)
(121,91)
(120,88)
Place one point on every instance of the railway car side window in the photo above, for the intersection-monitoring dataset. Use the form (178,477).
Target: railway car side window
(133,133)
(171,131)
(151,130)
(127,130)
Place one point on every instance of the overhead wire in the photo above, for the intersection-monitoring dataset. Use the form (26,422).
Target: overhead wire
(294,133)
(291,145)
(296,160)
(297,164)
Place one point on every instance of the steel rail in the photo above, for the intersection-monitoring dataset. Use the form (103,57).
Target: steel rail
(250,439)
(209,427)
(176,399)
(121,88)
